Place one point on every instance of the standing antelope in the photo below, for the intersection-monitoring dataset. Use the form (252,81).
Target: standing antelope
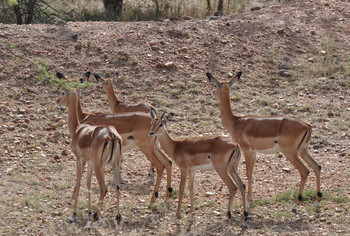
(267,134)
(205,153)
(96,145)
(118,106)
(134,128)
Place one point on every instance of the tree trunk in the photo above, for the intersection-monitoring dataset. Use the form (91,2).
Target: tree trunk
(18,14)
(30,11)
(114,6)
(221,6)
(208,6)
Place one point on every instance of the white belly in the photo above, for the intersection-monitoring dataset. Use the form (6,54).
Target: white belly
(272,150)
(204,167)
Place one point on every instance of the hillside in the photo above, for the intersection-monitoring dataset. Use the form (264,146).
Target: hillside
(295,61)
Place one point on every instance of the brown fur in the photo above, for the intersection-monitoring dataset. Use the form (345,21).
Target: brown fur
(258,133)
(137,126)
(209,153)
(89,144)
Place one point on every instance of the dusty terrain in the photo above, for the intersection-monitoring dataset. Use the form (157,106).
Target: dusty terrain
(295,61)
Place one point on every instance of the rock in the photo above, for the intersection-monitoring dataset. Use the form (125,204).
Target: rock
(287,170)
(209,194)
(330,113)
(54,20)
(310,59)
(153,42)
(168,65)
(188,18)
(65,152)
(57,213)
(174,18)
(255,8)
(275,105)
(214,17)
(56,157)
(11,128)
(280,31)
(285,73)
(155,48)
(326,87)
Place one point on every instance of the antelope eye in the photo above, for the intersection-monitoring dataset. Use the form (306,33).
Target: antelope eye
(160,125)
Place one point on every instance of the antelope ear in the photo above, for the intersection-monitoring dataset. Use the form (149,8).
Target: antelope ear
(169,117)
(60,75)
(213,80)
(153,113)
(235,78)
(98,78)
(87,74)
(85,78)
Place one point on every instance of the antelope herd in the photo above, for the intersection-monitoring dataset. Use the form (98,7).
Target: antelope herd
(99,139)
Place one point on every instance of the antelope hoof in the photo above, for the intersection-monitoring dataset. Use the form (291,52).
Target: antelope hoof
(89,216)
(69,202)
(118,218)
(244,223)
(190,218)
(95,216)
(294,209)
(73,218)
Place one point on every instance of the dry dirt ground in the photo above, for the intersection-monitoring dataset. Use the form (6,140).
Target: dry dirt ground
(295,61)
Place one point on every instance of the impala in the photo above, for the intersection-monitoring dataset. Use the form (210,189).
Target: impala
(204,153)
(134,128)
(95,145)
(118,106)
(267,134)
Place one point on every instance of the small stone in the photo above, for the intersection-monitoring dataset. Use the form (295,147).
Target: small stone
(214,17)
(330,113)
(310,60)
(255,8)
(188,18)
(280,31)
(154,42)
(323,52)
(326,87)
(57,213)
(279,155)
(275,105)
(56,157)
(65,152)
(155,48)
(285,73)
(11,128)
(170,65)
(209,194)
(287,170)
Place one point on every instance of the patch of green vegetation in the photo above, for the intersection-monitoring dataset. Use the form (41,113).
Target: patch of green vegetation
(264,100)
(55,167)
(194,91)
(305,108)
(180,85)
(289,196)
(175,193)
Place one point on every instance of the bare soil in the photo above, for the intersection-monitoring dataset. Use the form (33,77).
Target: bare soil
(280,49)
